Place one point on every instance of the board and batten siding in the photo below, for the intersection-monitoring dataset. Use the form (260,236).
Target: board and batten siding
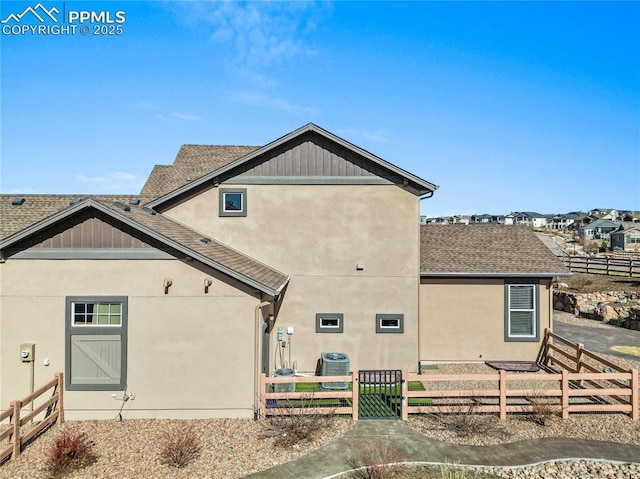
(313,157)
(93,232)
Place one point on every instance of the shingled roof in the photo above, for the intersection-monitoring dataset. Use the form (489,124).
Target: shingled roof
(482,250)
(192,162)
(35,208)
(175,179)
(50,210)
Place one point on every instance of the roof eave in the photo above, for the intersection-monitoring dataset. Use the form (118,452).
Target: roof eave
(427,186)
(454,274)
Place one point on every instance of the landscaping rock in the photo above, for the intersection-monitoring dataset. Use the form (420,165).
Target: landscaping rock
(611,306)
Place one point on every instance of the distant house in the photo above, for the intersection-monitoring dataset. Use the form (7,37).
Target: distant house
(564,221)
(626,239)
(629,216)
(241,260)
(526,218)
(598,229)
(604,213)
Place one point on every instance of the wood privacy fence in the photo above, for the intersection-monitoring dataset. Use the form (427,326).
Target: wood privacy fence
(26,418)
(610,266)
(586,383)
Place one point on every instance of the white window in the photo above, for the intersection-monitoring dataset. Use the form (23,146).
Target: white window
(233,202)
(96,331)
(521,312)
(329,323)
(389,323)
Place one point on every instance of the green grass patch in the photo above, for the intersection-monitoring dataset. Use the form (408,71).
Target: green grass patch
(364,388)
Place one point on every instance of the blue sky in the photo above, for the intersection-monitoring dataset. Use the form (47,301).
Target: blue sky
(506,106)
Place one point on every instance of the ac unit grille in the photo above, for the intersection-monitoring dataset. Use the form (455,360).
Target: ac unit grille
(334,364)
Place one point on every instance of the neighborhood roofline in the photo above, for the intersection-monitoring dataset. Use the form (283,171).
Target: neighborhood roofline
(90,203)
(430,187)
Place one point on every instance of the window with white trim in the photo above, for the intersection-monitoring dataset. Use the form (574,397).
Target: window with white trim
(389,323)
(233,202)
(96,343)
(329,323)
(521,312)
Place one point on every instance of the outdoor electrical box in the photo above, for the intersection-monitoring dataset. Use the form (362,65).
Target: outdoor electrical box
(27,352)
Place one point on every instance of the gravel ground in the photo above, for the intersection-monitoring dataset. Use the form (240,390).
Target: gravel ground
(234,448)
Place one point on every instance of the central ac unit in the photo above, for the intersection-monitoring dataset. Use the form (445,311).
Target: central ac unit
(334,364)
(284,387)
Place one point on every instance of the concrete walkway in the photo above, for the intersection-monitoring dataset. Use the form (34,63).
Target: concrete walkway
(412,446)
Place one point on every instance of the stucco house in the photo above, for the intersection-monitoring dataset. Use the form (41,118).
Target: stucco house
(627,238)
(235,261)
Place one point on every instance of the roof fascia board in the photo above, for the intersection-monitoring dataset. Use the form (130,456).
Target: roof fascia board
(46,222)
(442,274)
(189,252)
(310,127)
(89,203)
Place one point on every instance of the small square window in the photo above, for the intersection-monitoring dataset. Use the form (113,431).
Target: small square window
(329,323)
(389,323)
(233,202)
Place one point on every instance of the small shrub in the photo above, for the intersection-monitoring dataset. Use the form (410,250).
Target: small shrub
(542,409)
(377,461)
(69,451)
(466,421)
(295,424)
(180,446)
(580,283)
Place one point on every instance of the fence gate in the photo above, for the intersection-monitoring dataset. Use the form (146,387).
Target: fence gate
(380,394)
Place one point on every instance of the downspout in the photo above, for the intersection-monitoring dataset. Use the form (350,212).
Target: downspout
(256,359)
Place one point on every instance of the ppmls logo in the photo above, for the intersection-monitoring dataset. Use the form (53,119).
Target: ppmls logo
(40,20)
(39,12)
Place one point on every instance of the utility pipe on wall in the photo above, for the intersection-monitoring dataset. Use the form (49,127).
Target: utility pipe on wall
(256,359)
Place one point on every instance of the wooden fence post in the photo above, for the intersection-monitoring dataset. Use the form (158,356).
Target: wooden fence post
(60,378)
(565,394)
(502,382)
(548,361)
(405,396)
(579,350)
(355,390)
(15,424)
(635,404)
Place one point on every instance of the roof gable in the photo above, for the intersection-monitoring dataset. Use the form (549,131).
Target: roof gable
(310,153)
(191,163)
(483,250)
(36,208)
(169,233)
